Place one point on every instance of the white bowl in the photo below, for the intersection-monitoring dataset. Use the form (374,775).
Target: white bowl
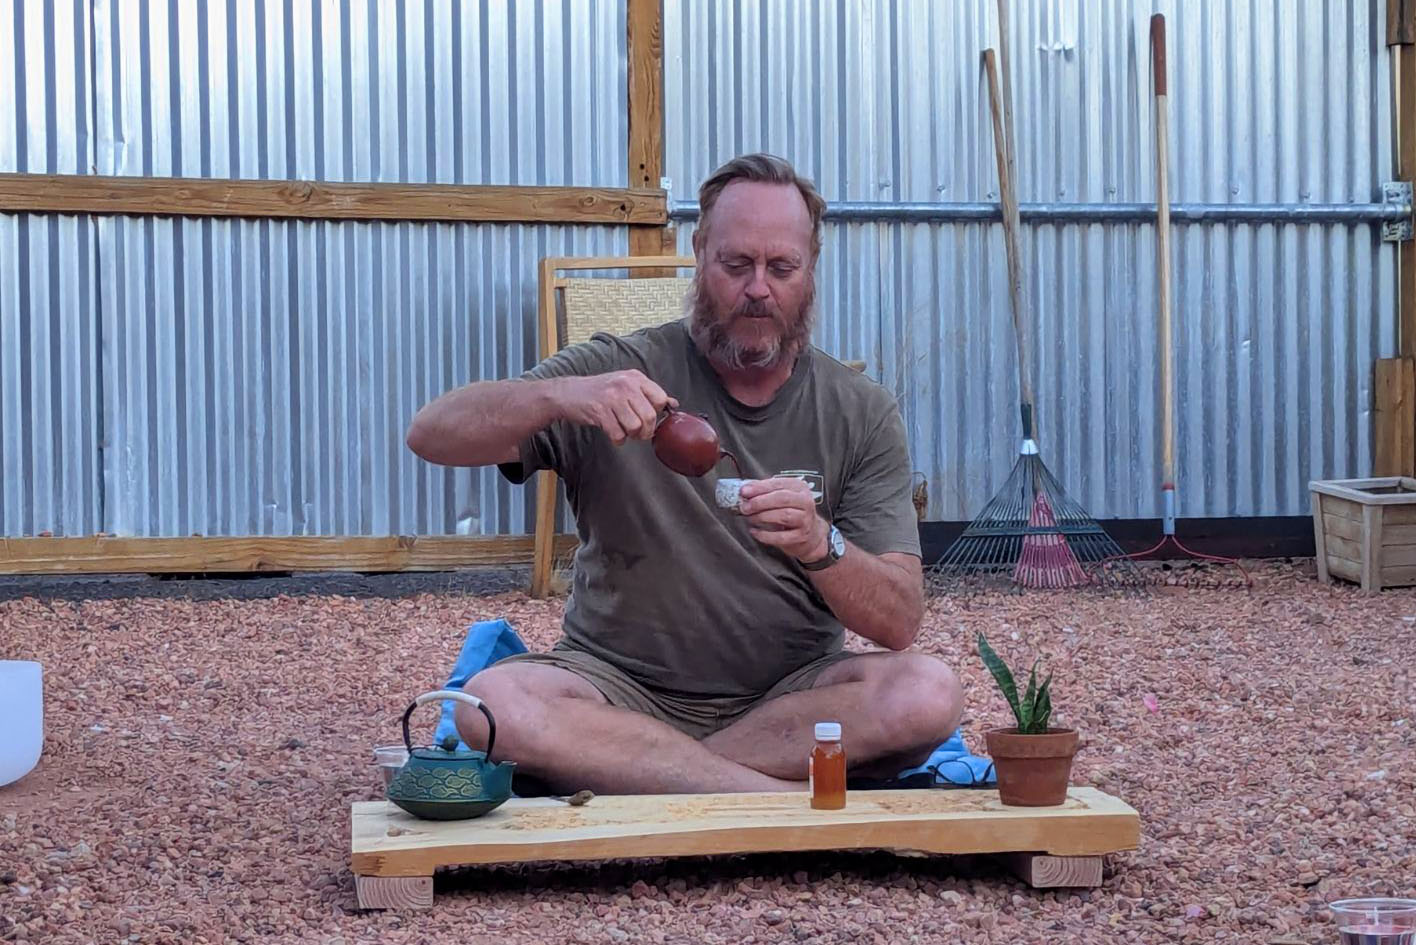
(21,718)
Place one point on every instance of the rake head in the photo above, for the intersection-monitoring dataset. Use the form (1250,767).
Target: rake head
(1033,535)
(1180,566)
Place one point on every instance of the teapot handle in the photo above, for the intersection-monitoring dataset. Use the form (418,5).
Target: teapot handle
(458,696)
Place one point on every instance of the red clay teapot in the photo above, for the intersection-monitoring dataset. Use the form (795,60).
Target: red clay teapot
(688,444)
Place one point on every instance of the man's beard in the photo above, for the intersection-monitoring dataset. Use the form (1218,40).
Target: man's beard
(710,331)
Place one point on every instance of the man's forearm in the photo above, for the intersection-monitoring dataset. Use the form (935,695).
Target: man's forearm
(879,598)
(482,423)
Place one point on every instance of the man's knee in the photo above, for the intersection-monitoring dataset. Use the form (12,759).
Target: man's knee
(498,690)
(923,699)
(520,697)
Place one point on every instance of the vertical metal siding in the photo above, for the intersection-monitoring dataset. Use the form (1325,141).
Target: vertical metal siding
(257,376)
(50,479)
(163,376)
(1276,325)
(268,369)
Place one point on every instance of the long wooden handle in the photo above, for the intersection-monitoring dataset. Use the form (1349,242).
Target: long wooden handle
(1162,244)
(1011,226)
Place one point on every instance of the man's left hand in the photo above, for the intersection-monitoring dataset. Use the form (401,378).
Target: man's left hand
(782,513)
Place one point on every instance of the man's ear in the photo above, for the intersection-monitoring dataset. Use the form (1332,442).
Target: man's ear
(698,243)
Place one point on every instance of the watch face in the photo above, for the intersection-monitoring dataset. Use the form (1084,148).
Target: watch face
(838,543)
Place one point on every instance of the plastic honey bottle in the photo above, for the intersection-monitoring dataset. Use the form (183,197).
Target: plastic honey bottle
(827,768)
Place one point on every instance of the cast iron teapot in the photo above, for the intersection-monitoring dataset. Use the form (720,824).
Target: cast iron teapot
(442,783)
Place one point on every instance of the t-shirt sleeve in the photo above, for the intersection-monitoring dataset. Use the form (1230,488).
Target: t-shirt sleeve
(559,447)
(876,511)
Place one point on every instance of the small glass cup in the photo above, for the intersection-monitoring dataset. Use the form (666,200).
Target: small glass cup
(390,758)
(1375,921)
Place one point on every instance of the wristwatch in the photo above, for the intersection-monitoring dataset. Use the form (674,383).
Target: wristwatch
(835,547)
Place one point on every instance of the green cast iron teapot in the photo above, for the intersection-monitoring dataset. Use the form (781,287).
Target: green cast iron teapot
(441,783)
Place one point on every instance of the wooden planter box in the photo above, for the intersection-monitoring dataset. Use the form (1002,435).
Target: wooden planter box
(1365,530)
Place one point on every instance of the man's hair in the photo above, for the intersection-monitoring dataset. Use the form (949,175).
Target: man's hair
(763,169)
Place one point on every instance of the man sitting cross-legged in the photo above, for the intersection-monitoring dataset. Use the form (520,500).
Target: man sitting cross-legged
(701,645)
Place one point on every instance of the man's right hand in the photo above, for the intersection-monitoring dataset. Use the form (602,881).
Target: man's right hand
(625,404)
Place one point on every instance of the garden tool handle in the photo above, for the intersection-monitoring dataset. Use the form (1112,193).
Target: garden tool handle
(458,696)
(1162,246)
(1008,199)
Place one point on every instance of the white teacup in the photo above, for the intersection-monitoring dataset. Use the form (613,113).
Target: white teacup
(728,493)
(22,709)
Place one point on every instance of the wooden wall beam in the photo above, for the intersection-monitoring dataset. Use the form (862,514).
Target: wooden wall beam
(1401,22)
(324,200)
(644,23)
(263,553)
(1395,417)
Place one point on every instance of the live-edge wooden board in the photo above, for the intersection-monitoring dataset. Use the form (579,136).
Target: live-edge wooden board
(390,843)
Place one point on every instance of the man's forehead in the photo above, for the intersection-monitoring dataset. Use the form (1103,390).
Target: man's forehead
(750,209)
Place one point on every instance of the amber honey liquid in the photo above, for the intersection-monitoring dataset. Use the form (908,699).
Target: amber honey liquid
(828,776)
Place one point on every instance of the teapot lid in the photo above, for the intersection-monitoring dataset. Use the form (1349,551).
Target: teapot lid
(447,750)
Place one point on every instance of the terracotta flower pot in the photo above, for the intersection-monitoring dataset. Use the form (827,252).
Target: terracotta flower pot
(1032,770)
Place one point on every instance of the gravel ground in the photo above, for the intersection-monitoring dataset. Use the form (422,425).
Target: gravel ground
(202,752)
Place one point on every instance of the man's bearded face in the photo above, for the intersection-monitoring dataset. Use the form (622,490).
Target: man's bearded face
(753,300)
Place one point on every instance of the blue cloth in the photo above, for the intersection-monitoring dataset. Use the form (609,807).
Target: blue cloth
(487,642)
(491,640)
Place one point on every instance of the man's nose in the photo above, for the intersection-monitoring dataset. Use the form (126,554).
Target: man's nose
(757,288)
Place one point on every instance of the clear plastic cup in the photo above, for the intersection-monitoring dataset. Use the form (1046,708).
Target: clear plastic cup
(390,758)
(1375,921)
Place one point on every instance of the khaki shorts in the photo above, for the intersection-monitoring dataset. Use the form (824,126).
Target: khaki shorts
(697,717)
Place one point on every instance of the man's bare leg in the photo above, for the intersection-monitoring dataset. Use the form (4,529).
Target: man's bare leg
(894,709)
(559,728)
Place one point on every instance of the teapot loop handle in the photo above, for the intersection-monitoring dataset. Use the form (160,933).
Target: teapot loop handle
(459,696)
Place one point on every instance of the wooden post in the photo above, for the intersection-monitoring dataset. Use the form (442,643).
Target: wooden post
(1395,415)
(1320,539)
(1372,548)
(1395,418)
(644,22)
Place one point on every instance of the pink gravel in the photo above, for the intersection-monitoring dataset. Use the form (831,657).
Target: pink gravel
(201,757)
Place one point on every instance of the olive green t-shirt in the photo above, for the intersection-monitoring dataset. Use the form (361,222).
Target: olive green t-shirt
(675,591)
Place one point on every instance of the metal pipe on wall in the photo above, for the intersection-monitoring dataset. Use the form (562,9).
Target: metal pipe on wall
(866,212)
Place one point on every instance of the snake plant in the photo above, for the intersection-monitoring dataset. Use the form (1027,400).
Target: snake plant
(1034,709)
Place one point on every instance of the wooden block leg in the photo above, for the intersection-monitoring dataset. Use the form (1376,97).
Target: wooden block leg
(1041,871)
(545,534)
(1320,539)
(394,892)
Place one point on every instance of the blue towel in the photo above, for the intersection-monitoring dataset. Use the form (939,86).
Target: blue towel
(491,640)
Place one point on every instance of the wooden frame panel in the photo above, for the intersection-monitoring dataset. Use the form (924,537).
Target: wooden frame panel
(327,200)
(110,555)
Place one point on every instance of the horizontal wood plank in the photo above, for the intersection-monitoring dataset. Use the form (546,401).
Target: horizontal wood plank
(1344,548)
(1341,526)
(263,553)
(1398,515)
(1089,823)
(1342,508)
(1398,536)
(1398,576)
(1343,568)
(329,200)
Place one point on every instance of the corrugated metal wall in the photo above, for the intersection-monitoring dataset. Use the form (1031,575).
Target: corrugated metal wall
(256,377)
(50,469)
(164,377)
(1276,325)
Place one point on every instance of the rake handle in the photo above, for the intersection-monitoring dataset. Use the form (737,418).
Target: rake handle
(1011,225)
(1162,245)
